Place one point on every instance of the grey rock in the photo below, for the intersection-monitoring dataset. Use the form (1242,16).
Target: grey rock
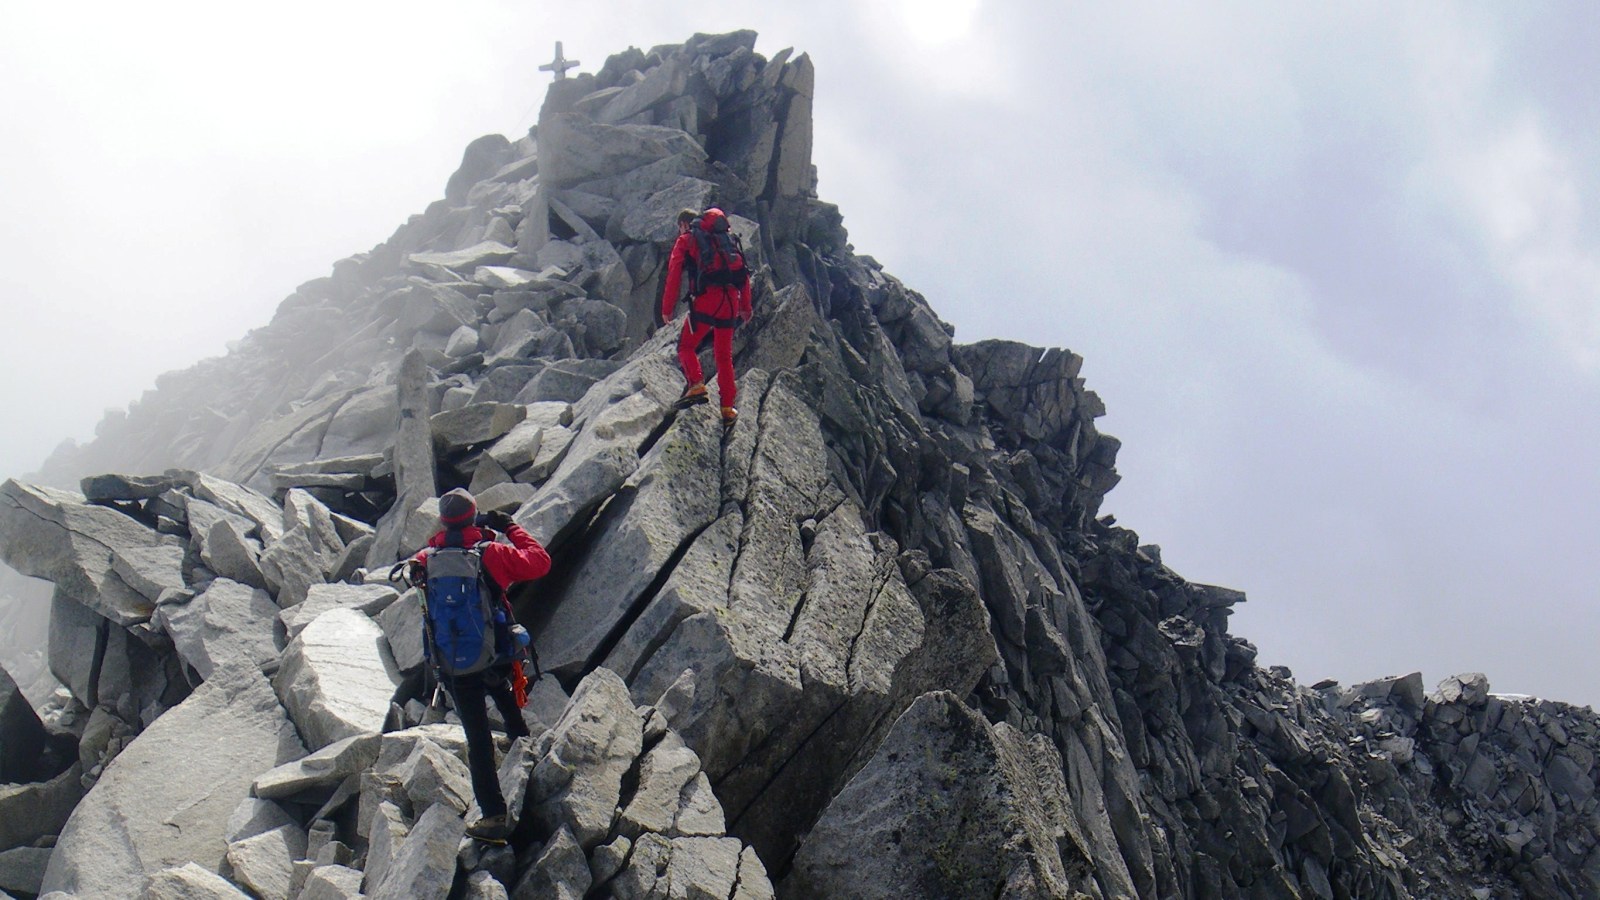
(324,768)
(370,599)
(362,426)
(150,570)
(703,868)
(561,872)
(520,445)
(507,496)
(386,834)
(608,859)
(23,739)
(659,85)
(1471,689)
(396,746)
(254,816)
(414,466)
(463,340)
(54,535)
(483,157)
(240,501)
(265,863)
(553,446)
(189,882)
(31,811)
(428,312)
(753,881)
(478,423)
(644,876)
(515,336)
(425,866)
(578,780)
(301,510)
(504,278)
(126,668)
(292,566)
(483,886)
(332,883)
(102,488)
(574,149)
(597,328)
(957,809)
(168,797)
(228,625)
(665,774)
(568,380)
(605,451)
(468,259)
(401,622)
(228,552)
(699,812)
(433,776)
(22,869)
(664,506)
(501,383)
(657,218)
(547,701)
(698,584)
(486,474)
(337,678)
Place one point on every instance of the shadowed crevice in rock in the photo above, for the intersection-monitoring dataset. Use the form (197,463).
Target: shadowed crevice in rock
(641,602)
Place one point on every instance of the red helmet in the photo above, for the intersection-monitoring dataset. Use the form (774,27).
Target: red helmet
(710,218)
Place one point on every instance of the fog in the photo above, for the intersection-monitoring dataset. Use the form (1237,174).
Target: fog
(1334,270)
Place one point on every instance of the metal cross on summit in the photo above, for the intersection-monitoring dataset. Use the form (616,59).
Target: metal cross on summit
(559,65)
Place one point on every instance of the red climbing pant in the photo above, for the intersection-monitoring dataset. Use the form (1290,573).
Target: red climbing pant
(721,353)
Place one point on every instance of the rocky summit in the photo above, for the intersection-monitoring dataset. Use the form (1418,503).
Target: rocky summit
(875,640)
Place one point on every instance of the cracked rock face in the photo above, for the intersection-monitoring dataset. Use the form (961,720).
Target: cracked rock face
(337,678)
(143,816)
(971,809)
(871,639)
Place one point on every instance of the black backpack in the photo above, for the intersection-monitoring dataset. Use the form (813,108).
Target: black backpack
(720,253)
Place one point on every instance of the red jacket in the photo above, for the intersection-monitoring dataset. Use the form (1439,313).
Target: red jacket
(720,301)
(521,560)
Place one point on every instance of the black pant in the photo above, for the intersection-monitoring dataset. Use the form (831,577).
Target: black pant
(468,692)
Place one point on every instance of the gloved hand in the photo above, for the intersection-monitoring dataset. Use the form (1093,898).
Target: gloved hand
(499,521)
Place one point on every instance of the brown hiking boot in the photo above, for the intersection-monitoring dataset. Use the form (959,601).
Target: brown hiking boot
(693,394)
(729,415)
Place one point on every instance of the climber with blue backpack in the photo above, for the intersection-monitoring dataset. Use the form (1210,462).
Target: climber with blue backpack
(712,256)
(471,639)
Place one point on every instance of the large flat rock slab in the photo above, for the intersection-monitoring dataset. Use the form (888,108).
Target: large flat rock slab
(337,678)
(55,535)
(229,625)
(166,800)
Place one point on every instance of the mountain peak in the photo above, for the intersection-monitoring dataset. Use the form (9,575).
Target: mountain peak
(869,640)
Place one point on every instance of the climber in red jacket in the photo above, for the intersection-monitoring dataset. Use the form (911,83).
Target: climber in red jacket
(505,564)
(721,300)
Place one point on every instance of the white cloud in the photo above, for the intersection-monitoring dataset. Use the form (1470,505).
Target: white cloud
(1519,190)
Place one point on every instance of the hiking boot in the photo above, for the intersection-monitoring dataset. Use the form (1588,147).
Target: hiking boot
(692,395)
(729,415)
(492,829)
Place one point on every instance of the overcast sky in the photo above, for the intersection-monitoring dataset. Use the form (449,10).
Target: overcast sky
(1334,267)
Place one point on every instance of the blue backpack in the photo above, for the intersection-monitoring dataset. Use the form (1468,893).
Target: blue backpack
(467,623)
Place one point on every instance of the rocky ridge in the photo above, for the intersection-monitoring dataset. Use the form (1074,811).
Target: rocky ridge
(873,642)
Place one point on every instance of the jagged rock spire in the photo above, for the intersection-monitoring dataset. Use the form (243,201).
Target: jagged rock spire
(799,653)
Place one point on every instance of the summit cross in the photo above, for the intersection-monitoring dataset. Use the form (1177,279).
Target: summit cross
(559,65)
